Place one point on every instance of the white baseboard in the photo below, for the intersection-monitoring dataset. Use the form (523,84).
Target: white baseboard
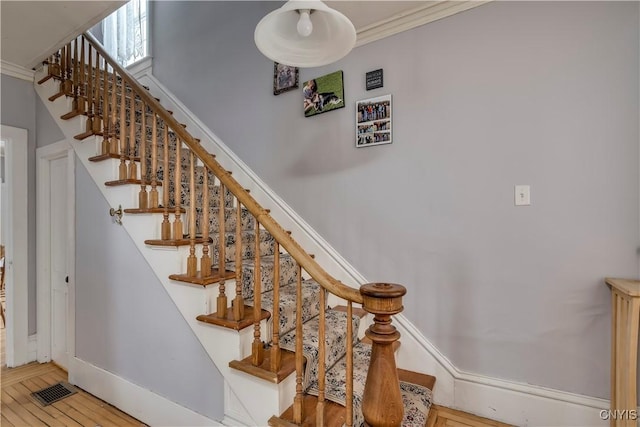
(136,401)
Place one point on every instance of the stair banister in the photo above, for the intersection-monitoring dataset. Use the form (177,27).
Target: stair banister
(382,402)
(291,246)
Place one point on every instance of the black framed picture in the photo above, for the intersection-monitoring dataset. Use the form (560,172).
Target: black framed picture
(323,94)
(285,78)
(373,121)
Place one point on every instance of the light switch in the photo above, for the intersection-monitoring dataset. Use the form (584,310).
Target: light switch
(523,195)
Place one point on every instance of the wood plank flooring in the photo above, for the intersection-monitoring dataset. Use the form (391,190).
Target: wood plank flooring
(439,416)
(19,409)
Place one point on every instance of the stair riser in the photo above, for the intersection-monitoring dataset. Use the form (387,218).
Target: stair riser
(288,274)
(247,221)
(267,246)
(287,304)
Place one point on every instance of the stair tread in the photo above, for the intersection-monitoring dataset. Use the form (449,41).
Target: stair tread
(174,242)
(102,157)
(263,371)
(159,210)
(335,415)
(126,182)
(229,321)
(201,280)
(413,377)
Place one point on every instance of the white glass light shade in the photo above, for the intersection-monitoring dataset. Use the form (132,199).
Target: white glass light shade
(333,35)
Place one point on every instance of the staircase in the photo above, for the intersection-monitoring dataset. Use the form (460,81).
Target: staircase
(294,326)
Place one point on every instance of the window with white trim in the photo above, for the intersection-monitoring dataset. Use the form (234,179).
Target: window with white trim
(126,31)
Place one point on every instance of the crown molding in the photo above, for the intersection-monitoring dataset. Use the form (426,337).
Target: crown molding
(413,18)
(13,70)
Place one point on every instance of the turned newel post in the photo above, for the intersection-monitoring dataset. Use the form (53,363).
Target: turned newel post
(382,402)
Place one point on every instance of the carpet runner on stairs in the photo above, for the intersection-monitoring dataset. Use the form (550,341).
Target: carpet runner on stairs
(416,397)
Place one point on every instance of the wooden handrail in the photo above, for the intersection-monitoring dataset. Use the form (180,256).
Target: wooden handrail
(323,278)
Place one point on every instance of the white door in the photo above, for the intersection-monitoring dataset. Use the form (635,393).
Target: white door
(59,272)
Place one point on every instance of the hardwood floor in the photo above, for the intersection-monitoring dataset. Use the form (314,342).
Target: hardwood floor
(439,416)
(18,408)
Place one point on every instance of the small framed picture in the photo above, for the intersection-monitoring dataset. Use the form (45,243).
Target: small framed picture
(285,78)
(323,94)
(373,121)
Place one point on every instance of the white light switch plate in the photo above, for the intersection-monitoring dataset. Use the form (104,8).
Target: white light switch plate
(522,195)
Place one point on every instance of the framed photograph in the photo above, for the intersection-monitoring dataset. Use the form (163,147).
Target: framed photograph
(373,121)
(323,94)
(285,78)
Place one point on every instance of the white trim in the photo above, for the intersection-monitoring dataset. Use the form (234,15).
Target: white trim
(234,412)
(14,70)
(140,403)
(16,243)
(142,67)
(413,18)
(44,156)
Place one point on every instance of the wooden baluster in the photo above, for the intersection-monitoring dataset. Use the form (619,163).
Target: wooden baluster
(103,107)
(298,402)
(58,67)
(238,302)
(133,168)
(166,225)
(82,105)
(63,74)
(192,261)
(257,350)
(349,378)
(205,261)
(275,345)
(113,141)
(75,75)
(153,195)
(321,361)
(54,67)
(49,62)
(222,255)
(143,199)
(122,170)
(68,83)
(177,222)
(382,401)
(90,94)
(100,110)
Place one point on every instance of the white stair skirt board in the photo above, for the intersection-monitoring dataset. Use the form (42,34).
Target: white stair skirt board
(222,346)
(515,403)
(140,403)
(511,402)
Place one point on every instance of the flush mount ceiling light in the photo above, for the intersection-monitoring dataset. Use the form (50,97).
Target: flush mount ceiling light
(305,33)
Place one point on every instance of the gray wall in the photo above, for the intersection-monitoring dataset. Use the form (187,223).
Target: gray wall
(126,323)
(47,130)
(18,109)
(538,93)
(23,109)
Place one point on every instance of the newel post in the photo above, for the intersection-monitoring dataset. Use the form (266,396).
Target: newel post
(382,402)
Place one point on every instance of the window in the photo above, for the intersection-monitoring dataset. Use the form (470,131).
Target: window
(125,32)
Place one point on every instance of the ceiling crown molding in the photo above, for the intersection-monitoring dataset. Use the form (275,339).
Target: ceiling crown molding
(13,70)
(413,18)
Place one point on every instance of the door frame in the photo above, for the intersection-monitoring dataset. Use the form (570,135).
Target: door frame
(16,244)
(44,156)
